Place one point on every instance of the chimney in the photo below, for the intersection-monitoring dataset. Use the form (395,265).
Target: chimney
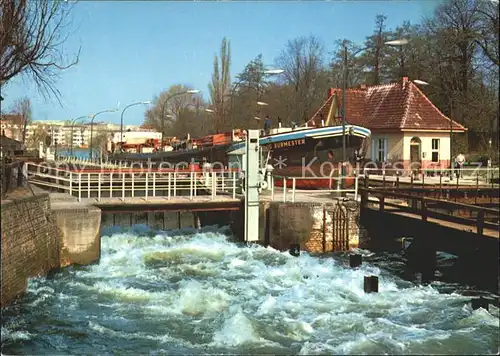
(405,81)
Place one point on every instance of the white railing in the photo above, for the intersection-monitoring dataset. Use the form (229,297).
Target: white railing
(332,181)
(465,176)
(86,162)
(130,184)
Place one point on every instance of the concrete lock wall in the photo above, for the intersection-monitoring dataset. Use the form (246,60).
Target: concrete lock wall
(315,226)
(30,243)
(79,226)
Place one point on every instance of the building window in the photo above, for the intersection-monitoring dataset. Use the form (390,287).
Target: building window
(435,150)
(379,152)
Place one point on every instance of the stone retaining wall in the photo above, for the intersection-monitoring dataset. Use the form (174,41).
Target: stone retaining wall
(30,243)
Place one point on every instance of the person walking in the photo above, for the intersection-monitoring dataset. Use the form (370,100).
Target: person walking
(267,125)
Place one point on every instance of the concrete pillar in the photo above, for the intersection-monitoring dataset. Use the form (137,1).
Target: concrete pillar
(80,233)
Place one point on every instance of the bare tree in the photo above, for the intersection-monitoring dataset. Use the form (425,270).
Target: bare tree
(488,25)
(221,84)
(171,105)
(40,134)
(22,107)
(31,37)
(302,61)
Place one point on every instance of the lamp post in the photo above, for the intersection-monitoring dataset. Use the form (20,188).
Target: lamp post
(400,42)
(164,105)
(421,82)
(210,111)
(123,111)
(263,72)
(92,127)
(72,126)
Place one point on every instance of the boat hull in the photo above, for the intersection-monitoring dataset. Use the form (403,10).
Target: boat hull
(316,165)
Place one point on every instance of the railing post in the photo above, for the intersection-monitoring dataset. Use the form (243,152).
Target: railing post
(440,184)
(381,203)
(133,185)
(154,184)
(492,186)
(195,183)
(423,209)
(88,185)
(234,185)
(190,185)
(222,181)
(169,183)
(147,187)
(123,186)
(214,183)
(175,183)
(79,187)
(70,183)
(293,190)
(284,189)
(98,186)
(480,222)
(111,184)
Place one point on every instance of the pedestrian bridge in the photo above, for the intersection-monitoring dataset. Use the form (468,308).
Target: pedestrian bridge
(107,187)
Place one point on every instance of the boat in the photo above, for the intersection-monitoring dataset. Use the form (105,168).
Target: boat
(311,155)
(186,153)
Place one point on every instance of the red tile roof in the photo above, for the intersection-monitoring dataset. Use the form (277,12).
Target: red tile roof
(400,106)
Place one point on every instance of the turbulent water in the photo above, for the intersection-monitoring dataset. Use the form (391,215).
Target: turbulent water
(193,292)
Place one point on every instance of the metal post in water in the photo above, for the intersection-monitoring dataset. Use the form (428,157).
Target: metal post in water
(371,284)
(355,260)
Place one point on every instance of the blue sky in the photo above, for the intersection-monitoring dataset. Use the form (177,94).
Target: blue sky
(132,50)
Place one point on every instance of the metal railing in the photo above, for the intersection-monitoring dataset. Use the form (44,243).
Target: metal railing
(292,182)
(487,174)
(86,162)
(136,183)
(480,217)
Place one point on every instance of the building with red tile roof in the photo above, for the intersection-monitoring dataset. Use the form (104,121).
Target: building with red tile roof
(406,126)
(12,126)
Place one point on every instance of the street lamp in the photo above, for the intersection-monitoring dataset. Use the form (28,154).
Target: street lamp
(261,103)
(72,126)
(92,117)
(421,82)
(123,111)
(273,71)
(164,105)
(400,42)
(237,85)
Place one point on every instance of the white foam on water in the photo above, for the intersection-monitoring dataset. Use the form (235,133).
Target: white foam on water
(200,291)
